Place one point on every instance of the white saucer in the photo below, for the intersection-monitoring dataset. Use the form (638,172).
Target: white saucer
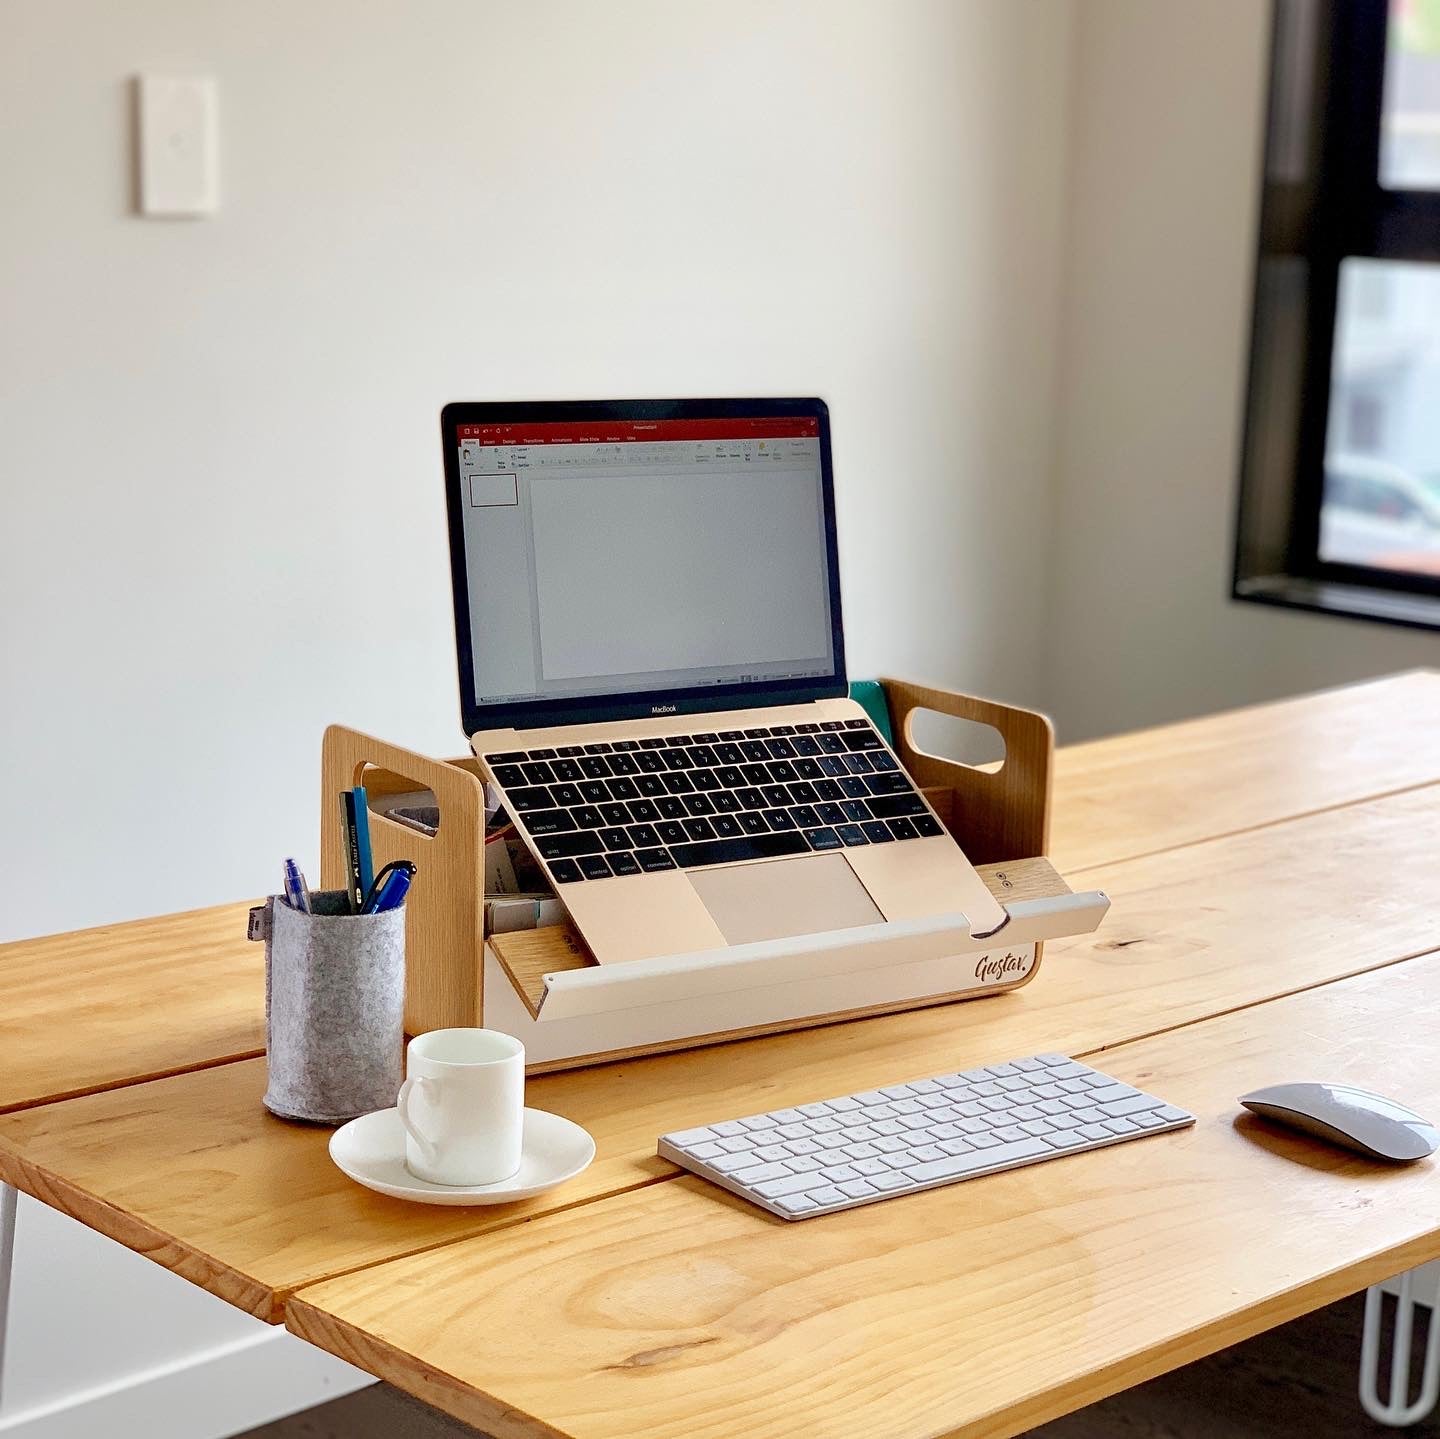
(371,1151)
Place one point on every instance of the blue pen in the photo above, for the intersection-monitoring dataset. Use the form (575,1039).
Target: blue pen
(390,889)
(297,892)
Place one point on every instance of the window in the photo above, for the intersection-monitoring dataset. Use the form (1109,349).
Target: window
(1340,472)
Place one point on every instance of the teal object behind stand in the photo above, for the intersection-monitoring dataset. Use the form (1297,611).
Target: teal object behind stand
(869,695)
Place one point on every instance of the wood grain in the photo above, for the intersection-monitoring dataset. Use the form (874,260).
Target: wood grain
(445,910)
(528,955)
(997,813)
(1134,794)
(978,1309)
(191,1170)
(124,1002)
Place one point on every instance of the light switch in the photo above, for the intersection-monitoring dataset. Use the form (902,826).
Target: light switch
(176,145)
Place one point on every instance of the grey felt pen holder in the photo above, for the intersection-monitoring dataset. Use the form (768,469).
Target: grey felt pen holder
(334,1007)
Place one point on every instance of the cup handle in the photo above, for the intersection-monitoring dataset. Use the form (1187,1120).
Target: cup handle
(428,1149)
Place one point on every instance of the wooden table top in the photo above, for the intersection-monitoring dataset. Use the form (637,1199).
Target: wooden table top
(1251,856)
(976,1309)
(1137,793)
(191,1170)
(127,1002)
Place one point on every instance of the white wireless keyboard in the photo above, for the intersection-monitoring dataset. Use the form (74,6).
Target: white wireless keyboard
(860,1148)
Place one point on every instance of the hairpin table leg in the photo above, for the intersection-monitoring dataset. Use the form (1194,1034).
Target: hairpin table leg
(1396,1410)
(8,1202)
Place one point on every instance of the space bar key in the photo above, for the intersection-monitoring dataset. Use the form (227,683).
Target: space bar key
(730,851)
(978,1159)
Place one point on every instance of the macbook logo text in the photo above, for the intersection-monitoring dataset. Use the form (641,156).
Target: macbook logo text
(662,709)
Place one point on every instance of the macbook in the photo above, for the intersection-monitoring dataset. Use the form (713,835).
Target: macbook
(652,674)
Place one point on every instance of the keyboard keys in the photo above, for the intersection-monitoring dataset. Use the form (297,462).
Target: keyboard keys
(824,787)
(565,871)
(593,866)
(860,1148)
(892,783)
(893,806)
(567,846)
(730,851)
(549,821)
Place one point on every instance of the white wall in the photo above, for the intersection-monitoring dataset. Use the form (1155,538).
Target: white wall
(223,521)
(1160,237)
(219,439)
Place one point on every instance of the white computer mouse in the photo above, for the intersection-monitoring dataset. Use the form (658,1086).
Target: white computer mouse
(1367,1123)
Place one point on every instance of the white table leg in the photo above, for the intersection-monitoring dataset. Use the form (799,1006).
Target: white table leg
(1397,1411)
(9,1200)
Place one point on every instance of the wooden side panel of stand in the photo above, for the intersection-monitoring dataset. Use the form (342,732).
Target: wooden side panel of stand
(528,955)
(999,814)
(445,920)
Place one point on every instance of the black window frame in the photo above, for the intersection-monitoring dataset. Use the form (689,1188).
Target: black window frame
(1321,203)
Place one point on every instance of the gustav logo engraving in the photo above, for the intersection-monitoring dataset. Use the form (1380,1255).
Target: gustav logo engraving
(992,968)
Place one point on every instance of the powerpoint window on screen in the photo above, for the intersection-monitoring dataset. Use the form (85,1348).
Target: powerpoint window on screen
(602,567)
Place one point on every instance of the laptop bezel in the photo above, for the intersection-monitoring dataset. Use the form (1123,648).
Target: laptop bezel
(533,714)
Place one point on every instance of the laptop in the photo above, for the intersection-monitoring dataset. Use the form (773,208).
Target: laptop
(652,676)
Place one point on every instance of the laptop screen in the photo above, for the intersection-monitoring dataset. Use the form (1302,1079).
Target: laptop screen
(621,564)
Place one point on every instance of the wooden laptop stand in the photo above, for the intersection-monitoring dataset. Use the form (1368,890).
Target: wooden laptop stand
(545,987)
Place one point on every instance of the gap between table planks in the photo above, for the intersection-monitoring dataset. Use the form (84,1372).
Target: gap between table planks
(1157,789)
(191,1171)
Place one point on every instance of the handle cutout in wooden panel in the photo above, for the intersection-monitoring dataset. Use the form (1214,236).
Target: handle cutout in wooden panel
(969,742)
(394,799)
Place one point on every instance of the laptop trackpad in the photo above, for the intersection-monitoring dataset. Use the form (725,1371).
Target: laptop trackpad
(786,896)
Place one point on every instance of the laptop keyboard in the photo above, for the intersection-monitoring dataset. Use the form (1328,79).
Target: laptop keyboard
(686,801)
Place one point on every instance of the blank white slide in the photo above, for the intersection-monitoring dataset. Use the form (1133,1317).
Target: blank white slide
(656,572)
(487,490)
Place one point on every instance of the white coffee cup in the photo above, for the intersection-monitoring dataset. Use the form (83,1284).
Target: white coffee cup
(463,1106)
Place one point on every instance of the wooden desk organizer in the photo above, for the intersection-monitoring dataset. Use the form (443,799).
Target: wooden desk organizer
(546,988)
